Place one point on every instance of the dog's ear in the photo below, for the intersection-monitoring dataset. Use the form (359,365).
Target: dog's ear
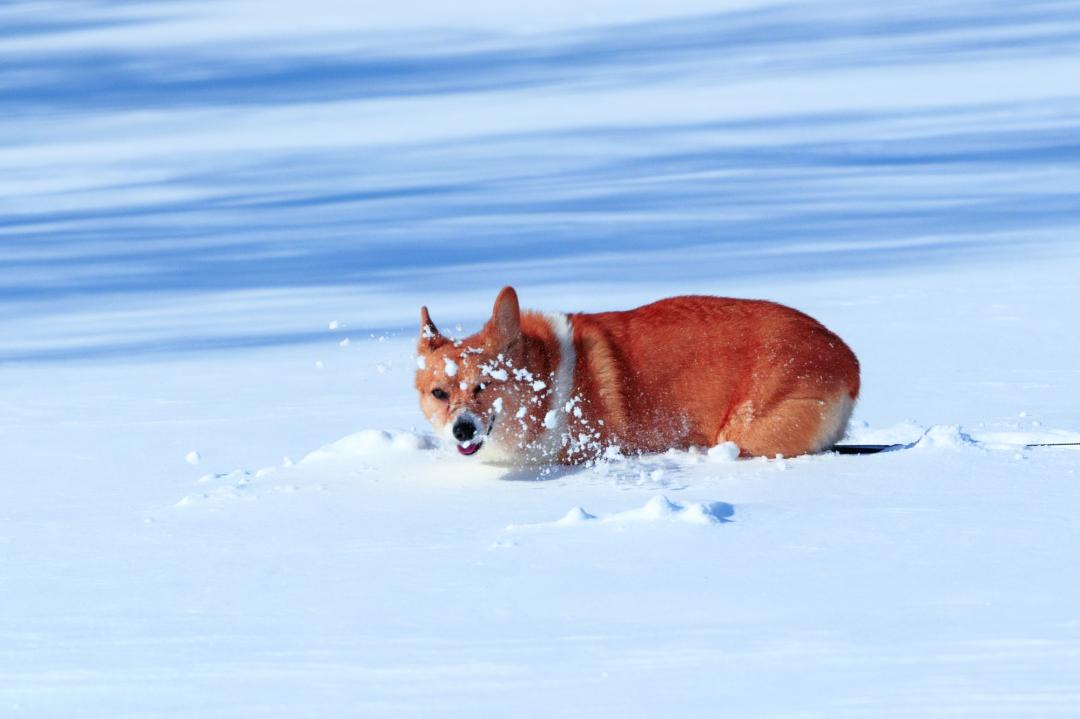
(505,322)
(430,337)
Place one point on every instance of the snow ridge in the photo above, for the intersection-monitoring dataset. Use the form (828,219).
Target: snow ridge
(657,509)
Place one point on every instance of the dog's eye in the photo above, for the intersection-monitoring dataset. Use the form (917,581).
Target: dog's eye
(476,389)
(438,393)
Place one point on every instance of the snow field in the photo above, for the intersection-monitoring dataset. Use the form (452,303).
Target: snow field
(221,219)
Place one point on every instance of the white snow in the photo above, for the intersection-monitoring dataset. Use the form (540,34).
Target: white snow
(875,576)
(193,457)
(947,437)
(724,452)
(496,374)
(191,190)
(577,515)
(659,508)
(450,367)
(662,508)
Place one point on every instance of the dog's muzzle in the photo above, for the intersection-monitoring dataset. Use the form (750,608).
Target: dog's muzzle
(466,430)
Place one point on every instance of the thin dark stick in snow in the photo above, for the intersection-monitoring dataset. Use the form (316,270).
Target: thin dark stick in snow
(866,448)
(876,448)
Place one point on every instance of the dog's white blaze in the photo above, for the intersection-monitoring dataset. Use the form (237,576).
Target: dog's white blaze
(550,441)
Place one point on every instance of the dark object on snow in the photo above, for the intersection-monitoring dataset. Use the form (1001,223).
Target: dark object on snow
(867,448)
(876,448)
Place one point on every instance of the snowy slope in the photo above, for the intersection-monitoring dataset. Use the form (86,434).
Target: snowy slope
(218,221)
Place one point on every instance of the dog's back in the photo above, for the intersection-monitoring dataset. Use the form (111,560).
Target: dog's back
(697,371)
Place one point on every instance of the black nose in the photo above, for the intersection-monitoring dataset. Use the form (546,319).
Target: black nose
(464,430)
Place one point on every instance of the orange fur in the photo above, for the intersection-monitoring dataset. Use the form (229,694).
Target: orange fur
(678,373)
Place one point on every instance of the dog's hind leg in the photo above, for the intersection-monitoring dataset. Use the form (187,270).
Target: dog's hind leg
(793,426)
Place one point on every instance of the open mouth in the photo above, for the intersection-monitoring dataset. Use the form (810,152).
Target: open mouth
(470,448)
(473,445)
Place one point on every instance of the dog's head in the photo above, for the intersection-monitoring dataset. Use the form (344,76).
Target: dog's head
(476,391)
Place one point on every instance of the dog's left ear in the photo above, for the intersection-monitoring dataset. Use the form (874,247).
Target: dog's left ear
(505,322)
(430,337)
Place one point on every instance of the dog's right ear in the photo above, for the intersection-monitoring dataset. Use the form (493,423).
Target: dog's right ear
(505,322)
(430,337)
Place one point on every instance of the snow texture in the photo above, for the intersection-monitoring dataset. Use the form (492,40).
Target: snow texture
(724,452)
(659,508)
(199,198)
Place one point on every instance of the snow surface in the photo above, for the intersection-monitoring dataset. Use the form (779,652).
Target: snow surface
(191,191)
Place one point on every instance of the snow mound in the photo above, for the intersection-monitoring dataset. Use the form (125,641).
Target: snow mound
(370,442)
(406,456)
(947,436)
(906,432)
(1005,436)
(662,508)
(577,515)
(724,452)
(657,509)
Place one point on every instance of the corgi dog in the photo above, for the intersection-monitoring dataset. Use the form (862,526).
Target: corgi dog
(695,371)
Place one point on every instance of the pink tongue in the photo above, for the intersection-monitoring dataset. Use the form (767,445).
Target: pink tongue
(471,449)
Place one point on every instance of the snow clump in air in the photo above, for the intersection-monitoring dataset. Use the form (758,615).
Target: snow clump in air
(495,369)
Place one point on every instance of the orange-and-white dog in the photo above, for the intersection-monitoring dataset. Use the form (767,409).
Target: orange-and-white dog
(533,388)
